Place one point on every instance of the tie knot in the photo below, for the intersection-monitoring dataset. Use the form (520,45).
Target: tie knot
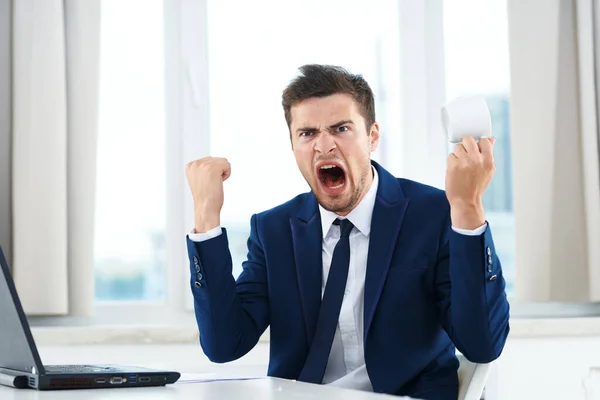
(345,226)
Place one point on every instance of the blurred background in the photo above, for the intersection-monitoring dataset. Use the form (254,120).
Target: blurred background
(248,65)
(103,102)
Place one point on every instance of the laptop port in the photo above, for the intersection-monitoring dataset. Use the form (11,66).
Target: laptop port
(116,380)
(144,379)
(100,380)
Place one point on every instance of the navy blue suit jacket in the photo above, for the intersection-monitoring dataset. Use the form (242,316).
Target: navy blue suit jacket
(428,290)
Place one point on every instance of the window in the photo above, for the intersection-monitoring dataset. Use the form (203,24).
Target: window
(130,255)
(476,62)
(252,56)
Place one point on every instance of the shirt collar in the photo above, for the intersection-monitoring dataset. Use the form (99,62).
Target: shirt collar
(360,216)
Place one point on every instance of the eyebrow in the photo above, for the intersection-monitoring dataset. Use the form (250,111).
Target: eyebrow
(334,126)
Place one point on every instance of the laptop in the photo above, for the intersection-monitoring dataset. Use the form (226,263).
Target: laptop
(19,355)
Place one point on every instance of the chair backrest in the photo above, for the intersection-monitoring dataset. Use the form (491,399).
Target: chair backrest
(471,379)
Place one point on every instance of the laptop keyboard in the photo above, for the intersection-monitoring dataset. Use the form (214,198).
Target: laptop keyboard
(77,368)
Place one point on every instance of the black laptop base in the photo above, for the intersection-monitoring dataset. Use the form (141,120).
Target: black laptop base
(100,381)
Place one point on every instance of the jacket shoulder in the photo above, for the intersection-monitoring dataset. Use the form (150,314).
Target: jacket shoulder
(424,195)
(284,210)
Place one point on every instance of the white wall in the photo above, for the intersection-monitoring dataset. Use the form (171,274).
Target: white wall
(5,125)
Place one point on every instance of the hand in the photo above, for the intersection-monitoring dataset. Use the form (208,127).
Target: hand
(206,177)
(470,170)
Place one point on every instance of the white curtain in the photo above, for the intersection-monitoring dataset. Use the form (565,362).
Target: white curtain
(55,103)
(5,129)
(555,150)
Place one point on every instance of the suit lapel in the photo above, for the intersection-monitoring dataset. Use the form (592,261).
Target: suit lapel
(388,213)
(307,238)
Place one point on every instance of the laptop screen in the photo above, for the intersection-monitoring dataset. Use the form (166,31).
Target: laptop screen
(17,348)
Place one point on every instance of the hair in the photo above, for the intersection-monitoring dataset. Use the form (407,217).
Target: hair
(316,80)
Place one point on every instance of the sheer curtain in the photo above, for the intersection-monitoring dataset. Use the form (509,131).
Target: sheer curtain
(555,151)
(5,127)
(55,102)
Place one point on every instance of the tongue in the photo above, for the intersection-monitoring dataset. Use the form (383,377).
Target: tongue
(331,180)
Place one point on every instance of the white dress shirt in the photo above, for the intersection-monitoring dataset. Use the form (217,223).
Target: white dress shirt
(346,365)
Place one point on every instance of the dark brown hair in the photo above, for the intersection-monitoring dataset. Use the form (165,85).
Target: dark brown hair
(317,80)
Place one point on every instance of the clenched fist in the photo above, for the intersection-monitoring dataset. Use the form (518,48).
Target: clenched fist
(205,177)
(470,170)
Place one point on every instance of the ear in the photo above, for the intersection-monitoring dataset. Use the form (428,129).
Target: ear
(374,137)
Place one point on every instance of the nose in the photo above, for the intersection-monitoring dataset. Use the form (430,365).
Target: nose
(325,143)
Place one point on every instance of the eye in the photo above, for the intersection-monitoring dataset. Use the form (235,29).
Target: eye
(343,128)
(306,134)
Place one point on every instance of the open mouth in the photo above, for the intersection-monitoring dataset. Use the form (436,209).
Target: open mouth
(332,176)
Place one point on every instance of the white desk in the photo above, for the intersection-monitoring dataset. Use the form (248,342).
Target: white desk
(263,389)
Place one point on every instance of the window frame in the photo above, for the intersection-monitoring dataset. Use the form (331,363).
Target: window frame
(421,138)
(189,81)
(186,139)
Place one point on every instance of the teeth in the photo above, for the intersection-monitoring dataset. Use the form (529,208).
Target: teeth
(337,186)
(328,166)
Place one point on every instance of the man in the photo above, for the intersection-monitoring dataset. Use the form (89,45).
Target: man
(368,281)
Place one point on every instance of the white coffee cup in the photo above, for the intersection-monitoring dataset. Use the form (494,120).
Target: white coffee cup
(466,116)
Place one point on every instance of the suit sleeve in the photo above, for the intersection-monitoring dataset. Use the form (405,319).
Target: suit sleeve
(231,315)
(471,294)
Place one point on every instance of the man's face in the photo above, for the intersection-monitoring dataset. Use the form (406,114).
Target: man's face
(333,150)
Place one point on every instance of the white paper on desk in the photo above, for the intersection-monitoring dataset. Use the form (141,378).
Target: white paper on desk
(212,377)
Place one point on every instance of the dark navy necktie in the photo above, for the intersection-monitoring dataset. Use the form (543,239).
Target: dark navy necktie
(329,313)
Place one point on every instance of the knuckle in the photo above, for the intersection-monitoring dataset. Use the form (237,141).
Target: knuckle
(192,165)
(489,163)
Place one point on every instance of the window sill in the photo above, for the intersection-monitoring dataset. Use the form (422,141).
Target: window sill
(188,334)
(554,327)
(118,335)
